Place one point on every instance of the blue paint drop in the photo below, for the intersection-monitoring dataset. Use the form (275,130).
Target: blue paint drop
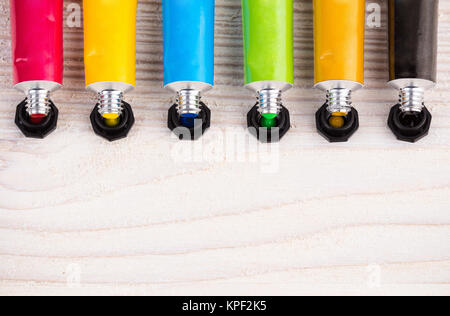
(188,120)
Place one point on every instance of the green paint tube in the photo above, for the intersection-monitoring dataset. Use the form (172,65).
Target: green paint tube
(268,61)
(268,40)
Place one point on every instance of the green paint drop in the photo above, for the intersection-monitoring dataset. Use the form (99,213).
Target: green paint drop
(269,120)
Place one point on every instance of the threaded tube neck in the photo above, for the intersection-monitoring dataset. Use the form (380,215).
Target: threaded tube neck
(110,102)
(38,102)
(339,100)
(188,102)
(270,101)
(412,99)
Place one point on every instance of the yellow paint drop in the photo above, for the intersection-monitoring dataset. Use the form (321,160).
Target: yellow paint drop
(111,119)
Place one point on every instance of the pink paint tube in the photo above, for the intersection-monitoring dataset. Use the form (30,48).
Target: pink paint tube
(37,53)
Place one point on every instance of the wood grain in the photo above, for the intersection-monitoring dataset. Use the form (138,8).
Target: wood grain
(151,215)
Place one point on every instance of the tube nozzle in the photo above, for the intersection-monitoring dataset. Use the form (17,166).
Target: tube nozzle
(188,101)
(337,120)
(412,99)
(38,105)
(339,101)
(110,106)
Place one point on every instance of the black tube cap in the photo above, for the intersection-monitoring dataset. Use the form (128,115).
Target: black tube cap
(201,123)
(31,130)
(117,132)
(333,134)
(409,127)
(268,135)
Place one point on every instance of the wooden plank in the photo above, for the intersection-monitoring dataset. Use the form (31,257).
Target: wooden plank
(226,215)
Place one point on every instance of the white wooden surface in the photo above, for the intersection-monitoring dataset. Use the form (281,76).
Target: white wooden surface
(150,215)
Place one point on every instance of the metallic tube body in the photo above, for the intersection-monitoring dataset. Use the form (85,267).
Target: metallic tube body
(110,42)
(188,28)
(413,43)
(37,41)
(339,40)
(413,29)
(268,41)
